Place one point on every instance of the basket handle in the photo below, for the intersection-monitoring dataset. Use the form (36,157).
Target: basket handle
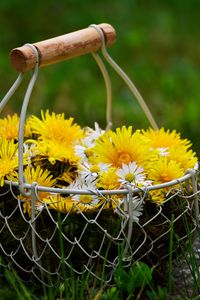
(62,47)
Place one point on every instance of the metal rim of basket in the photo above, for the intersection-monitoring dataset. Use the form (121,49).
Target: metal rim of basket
(189,174)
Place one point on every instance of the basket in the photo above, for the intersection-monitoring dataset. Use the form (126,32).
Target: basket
(45,241)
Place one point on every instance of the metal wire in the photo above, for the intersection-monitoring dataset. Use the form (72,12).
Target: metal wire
(22,122)
(12,90)
(178,181)
(108,85)
(37,260)
(126,79)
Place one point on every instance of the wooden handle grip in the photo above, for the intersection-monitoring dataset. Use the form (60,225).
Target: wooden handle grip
(62,47)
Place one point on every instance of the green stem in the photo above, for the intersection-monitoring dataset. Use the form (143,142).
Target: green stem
(170,278)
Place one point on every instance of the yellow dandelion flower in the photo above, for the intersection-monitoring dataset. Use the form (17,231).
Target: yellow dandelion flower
(56,127)
(67,176)
(67,205)
(186,158)
(120,147)
(9,127)
(8,159)
(158,196)
(54,151)
(81,207)
(27,207)
(108,180)
(59,203)
(28,128)
(164,170)
(115,201)
(164,138)
(42,178)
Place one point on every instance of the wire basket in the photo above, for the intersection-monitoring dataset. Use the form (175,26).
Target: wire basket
(45,241)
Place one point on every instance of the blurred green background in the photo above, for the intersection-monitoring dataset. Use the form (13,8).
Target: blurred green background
(158,46)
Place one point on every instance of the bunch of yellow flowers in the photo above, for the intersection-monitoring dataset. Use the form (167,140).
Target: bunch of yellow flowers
(59,153)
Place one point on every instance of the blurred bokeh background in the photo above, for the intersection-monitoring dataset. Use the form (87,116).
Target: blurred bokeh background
(158,46)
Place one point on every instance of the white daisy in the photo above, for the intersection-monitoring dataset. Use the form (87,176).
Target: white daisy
(90,172)
(80,151)
(137,208)
(88,200)
(92,135)
(137,205)
(28,149)
(132,174)
(76,184)
(84,151)
(39,206)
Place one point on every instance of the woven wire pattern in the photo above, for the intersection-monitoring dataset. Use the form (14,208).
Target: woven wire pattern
(83,242)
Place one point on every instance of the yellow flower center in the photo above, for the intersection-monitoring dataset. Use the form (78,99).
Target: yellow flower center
(129,177)
(88,152)
(123,158)
(164,177)
(94,169)
(86,199)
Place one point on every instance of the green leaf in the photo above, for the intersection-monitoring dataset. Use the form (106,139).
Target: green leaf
(140,275)
(121,278)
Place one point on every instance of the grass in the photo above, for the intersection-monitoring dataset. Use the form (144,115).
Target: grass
(170,267)
(138,282)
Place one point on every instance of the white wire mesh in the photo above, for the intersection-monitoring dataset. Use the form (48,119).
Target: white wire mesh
(85,241)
